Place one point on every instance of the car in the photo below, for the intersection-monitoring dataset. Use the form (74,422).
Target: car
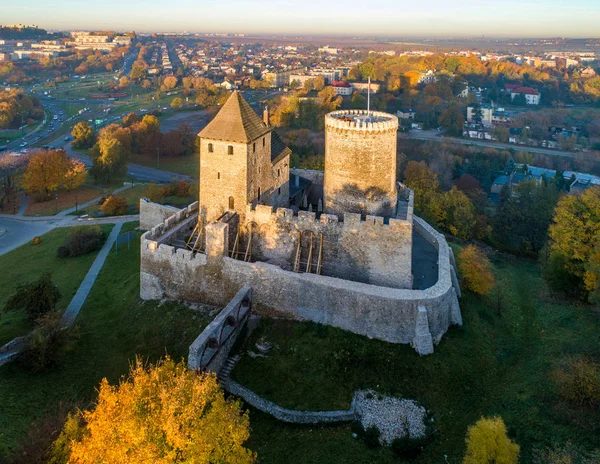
(24,144)
(67,138)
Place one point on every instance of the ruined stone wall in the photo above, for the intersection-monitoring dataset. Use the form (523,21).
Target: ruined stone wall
(360,163)
(366,251)
(388,314)
(152,214)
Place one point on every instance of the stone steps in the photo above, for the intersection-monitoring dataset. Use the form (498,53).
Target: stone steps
(223,375)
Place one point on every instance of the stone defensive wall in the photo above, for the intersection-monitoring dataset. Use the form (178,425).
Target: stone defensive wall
(210,350)
(152,214)
(395,315)
(369,251)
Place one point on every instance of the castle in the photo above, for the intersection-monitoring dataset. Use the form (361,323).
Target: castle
(338,248)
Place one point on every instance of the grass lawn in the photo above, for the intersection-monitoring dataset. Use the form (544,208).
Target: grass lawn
(27,263)
(64,201)
(189,165)
(114,326)
(493,365)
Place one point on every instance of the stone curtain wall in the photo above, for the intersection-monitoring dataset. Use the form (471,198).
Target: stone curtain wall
(210,350)
(152,214)
(289,415)
(366,251)
(377,312)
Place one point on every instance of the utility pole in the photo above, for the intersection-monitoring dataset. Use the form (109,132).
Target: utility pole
(157,158)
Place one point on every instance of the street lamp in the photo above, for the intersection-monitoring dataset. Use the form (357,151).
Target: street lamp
(157,158)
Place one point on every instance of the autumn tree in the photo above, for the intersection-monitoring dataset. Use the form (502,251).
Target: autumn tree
(488,443)
(130,119)
(124,81)
(111,152)
(83,135)
(75,174)
(452,120)
(177,103)
(328,99)
(458,216)
(476,270)
(160,414)
(575,240)
(45,172)
(170,82)
(424,182)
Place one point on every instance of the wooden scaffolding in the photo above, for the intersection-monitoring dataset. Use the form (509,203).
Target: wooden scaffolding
(307,260)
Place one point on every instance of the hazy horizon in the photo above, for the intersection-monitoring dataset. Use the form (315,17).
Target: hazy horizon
(467,18)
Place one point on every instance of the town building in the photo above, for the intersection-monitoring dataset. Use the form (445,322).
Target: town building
(342,88)
(532,96)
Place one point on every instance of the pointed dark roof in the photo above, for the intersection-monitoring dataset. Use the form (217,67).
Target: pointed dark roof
(235,122)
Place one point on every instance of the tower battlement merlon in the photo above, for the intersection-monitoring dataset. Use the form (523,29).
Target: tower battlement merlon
(361,120)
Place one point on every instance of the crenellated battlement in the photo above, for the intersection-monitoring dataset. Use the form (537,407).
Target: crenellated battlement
(361,120)
(262,214)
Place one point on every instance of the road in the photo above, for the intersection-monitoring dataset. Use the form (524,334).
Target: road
(19,232)
(434,136)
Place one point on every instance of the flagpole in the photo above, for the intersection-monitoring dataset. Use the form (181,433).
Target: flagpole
(369,97)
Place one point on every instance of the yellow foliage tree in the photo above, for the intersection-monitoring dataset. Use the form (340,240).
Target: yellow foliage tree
(45,172)
(160,414)
(75,174)
(488,443)
(476,270)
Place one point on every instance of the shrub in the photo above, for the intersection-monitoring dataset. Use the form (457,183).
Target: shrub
(47,345)
(36,241)
(488,442)
(407,447)
(35,298)
(155,193)
(62,252)
(578,381)
(565,454)
(82,240)
(372,434)
(114,206)
(476,270)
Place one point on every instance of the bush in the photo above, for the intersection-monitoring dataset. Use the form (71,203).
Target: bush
(476,270)
(408,448)
(35,298)
(114,206)
(81,240)
(36,241)
(488,443)
(154,193)
(578,381)
(565,454)
(372,434)
(47,345)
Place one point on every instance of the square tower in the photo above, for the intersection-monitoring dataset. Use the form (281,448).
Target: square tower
(242,162)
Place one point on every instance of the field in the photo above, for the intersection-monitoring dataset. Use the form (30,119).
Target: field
(499,363)
(27,263)
(114,326)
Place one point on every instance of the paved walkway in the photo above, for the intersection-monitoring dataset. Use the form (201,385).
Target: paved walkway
(84,289)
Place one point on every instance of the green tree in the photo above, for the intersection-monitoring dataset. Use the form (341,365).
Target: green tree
(424,182)
(35,298)
(488,443)
(458,214)
(452,120)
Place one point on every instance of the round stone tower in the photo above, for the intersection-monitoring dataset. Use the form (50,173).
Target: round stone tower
(360,163)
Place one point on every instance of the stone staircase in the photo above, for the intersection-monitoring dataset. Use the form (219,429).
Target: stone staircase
(223,375)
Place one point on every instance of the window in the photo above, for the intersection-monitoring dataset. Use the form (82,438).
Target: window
(278,172)
(279,191)
(254,147)
(230,150)
(231,203)
(258,193)
(264,141)
(210,148)
(218,175)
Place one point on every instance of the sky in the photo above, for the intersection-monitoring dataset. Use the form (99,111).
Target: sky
(401,18)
